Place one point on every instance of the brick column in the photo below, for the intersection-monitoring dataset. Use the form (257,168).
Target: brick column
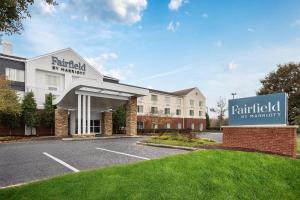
(61,122)
(106,123)
(131,116)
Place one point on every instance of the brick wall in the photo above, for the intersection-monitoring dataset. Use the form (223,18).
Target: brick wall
(106,123)
(277,140)
(61,122)
(161,122)
(131,116)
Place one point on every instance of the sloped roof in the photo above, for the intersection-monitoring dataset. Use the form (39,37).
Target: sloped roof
(183,92)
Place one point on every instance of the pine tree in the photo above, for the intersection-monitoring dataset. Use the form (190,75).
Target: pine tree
(29,111)
(48,114)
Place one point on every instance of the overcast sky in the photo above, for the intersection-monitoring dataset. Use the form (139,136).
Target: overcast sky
(218,46)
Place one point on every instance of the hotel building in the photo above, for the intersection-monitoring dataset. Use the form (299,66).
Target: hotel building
(85,98)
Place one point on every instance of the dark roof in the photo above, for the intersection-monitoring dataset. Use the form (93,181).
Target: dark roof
(14,57)
(160,91)
(183,92)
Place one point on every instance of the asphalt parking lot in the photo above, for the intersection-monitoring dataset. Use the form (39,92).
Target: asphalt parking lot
(27,161)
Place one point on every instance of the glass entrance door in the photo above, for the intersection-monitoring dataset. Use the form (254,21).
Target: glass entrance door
(95,126)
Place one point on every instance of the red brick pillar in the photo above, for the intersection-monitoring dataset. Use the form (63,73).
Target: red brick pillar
(273,139)
(61,122)
(106,123)
(131,116)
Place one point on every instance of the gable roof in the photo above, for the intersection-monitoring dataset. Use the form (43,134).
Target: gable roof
(183,92)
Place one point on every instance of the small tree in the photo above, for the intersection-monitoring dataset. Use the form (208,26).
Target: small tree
(48,114)
(220,110)
(10,108)
(29,111)
(119,118)
(207,121)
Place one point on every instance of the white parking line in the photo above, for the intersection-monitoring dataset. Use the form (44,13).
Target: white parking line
(61,162)
(126,154)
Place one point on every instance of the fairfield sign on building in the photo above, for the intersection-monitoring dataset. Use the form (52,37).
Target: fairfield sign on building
(259,110)
(68,66)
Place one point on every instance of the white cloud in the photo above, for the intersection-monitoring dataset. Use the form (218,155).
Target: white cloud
(123,11)
(218,43)
(250,30)
(176,4)
(204,15)
(232,66)
(173,26)
(46,8)
(101,61)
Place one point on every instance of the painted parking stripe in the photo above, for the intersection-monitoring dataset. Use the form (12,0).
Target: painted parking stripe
(61,162)
(126,154)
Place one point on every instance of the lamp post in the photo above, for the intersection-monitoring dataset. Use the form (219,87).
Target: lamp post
(233,94)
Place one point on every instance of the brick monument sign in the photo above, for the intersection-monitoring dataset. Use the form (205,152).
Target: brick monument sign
(260,123)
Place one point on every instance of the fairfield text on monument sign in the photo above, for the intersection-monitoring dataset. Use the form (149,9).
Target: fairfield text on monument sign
(67,66)
(263,109)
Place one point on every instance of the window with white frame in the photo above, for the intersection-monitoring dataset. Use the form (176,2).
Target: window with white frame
(140,125)
(168,125)
(15,74)
(52,81)
(140,109)
(179,101)
(154,110)
(154,97)
(191,112)
(192,103)
(200,113)
(178,125)
(167,111)
(167,99)
(200,104)
(178,112)
(154,126)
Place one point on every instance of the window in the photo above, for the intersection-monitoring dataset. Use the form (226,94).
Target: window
(153,97)
(140,125)
(15,74)
(167,99)
(167,111)
(192,126)
(178,112)
(52,81)
(168,125)
(191,112)
(140,109)
(178,125)
(154,126)
(200,113)
(154,110)
(192,103)
(200,104)
(178,101)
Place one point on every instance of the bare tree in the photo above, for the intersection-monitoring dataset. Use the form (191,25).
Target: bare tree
(220,110)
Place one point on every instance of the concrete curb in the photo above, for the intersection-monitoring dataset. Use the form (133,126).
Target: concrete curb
(99,138)
(169,146)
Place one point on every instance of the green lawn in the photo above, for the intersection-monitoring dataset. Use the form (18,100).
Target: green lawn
(179,141)
(209,174)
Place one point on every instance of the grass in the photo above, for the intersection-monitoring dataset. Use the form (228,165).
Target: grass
(178,140)
(210,174)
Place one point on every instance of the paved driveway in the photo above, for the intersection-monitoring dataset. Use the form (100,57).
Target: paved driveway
(27,161)
(217,136)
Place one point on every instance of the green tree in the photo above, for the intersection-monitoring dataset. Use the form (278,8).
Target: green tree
(285,79)
(10,108)
(207,121)
(119,118)
(13,12)
(48,114)
(29,111)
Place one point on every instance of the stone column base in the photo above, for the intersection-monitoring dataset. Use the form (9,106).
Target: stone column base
(61,122)
(272,139)
(106,123)
(131,116)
